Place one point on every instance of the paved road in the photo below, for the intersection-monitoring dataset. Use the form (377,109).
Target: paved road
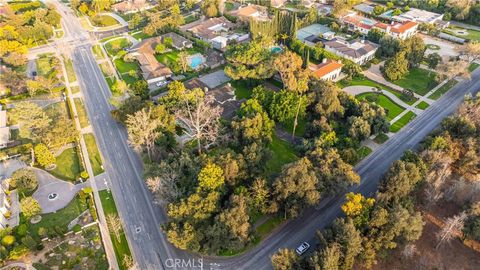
(142,219)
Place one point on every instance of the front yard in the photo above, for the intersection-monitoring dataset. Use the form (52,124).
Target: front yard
(69,166)
(113,46)
(391,108)
(418,80)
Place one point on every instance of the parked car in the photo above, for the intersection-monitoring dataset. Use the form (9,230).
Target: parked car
(302,248)
(161,84)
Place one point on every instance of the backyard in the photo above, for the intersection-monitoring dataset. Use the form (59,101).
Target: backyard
(121,247)
(391,108)
(418,80)
(283,153)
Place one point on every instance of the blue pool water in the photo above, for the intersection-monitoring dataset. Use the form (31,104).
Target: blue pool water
(196,61)
(276,49)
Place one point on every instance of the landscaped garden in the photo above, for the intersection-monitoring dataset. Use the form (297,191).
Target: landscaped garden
(361,80)
(418,80)
(403,121)
(391,108)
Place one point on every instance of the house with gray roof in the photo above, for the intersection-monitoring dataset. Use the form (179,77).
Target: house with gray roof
(359,51)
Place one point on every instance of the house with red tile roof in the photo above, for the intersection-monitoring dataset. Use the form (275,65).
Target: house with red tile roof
(254,12)
(328,70)
(399,30)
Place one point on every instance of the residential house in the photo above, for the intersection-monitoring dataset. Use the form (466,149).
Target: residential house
(249,12)
(132,6)
(359,51)
(4,129)
(152,70)
(358,23)
(314,33)
(178,42)
(420,16)
(328,70)
(209,29)
(6,219)
(401,30)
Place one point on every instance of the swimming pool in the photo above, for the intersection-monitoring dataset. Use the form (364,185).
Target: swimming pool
(276,49)
(196,60)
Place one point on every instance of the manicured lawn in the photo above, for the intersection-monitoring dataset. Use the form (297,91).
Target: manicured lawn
(381,138)
(301,125)
(75,89)
(121,248)
(103,20)
(124,67)
(361,80)
(61,218)
(472,34)
(68,165)
(93,153)
(242,90)
(129,79)
(473,66)
(363,152)
(423,105)
(97,51)
(391,108)
(442,90)
(172,56)
(418,80)
(282,153)
(140,35)
(114,46)
(81,112)
(400,123)
(70,73)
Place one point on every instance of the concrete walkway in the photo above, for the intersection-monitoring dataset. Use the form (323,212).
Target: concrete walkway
(48,184)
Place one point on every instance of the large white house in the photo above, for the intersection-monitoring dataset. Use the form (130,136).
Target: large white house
(359,51)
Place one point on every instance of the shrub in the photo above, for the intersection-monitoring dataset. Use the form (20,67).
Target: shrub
(18,252)
(30,207)
(24,180)
(43,155)
(22,229)
(77,228)
(42,232)
(8,240)
(84,175)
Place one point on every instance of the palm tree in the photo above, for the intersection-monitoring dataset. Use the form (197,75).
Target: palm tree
(284,37)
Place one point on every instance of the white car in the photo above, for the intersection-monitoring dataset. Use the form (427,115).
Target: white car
(302,248)
(161,84)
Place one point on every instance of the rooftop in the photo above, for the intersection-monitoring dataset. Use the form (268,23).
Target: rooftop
(312,30)
(419,15)
(355,48)
(365,8)
(211,28)
(251,11)
(325,68)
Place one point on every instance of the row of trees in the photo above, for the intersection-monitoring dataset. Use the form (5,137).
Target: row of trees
(405,54)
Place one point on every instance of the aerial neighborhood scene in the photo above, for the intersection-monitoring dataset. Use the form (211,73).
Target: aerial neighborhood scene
(239,134)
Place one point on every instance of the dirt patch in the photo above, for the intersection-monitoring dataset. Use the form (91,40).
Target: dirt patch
(454,255)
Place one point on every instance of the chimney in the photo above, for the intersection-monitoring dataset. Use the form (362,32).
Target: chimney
(324,60)
(362,41)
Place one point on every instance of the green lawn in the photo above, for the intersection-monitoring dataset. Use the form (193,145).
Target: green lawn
(121,248)
(97,51)
(391,108)
(423,105)
(172,56)
(282,153)
(381,138)
(103,20)
(472,34)
(442,90)
(68,165)
(81,112)
(300,129)
(140,36)
(75,89)
(70,73)
(61,218)
(242,90)
(418,80)
(400,123)
(363,152)
(265,228)
(114,46)
(129,79)
(93,153)
(124,67)
(473,66)
(190,19)
(361,80)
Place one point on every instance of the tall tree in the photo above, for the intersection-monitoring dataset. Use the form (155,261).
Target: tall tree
(200,116)
(397,67)
(115,226)
(31,118)
(285,259)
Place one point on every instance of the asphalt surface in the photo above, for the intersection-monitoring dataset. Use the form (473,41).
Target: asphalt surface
(142,218)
